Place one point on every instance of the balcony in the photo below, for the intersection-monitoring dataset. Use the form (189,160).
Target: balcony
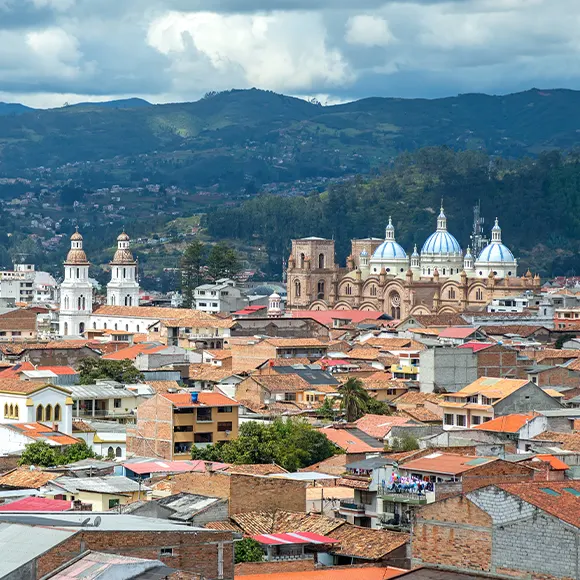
(406,497)
(404,369)
(183,436)
(183,419)
(348,507)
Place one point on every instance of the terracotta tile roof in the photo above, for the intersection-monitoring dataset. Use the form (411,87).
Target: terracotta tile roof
(278,522)
(561,503)
(507,423)
(295,342)
(493,388)
(132,352)
(14,371)
(457,332)
(163,386)
(209,373)
(81,426)
(552,353)
(201,320)
(335,465)
(326,316)
(227,526)
(18,320)
(555,463)
(447,463)
(380,382)
(41,432)
(442,320)
(416,398)
(204,399)
(517,329)
(347,439)
(25,478)
(19,348)
(389,343)
(379,426)
(366,543)
(16,386)
(353,483)
(421,414)
(325,573)
(574,365)
(218,353)
(364,354)
(567,441)
(256,469)
(153,312)
(271,409)
(282,383)
(286,362)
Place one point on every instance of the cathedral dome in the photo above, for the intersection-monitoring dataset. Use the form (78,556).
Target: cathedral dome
(390,250)
(76,237)
(123,237)
(441,242)
(123,256)
(497,253)
(77,256)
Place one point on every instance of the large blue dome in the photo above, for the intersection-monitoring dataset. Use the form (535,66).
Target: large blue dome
(441,242)
(496,252)
(389,250)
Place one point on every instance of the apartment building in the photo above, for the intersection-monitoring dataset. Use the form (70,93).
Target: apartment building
(170,424)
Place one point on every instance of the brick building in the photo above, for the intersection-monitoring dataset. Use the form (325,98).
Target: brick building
(520,530)
(170,424)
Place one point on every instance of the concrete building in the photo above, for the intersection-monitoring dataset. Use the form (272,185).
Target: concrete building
(26,284)
(446,369)
(170,424)
(223,296)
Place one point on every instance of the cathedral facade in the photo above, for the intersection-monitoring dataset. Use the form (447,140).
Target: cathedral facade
(379,275)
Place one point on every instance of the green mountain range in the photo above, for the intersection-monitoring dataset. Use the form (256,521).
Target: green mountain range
(255,136)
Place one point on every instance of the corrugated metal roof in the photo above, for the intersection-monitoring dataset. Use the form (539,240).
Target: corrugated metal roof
(100,392)
(110,484)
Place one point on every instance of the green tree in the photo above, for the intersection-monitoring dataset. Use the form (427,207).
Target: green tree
(40,454)
(122,371)
(248,550)
(222,262)
(293,444)
(559,344)
(191,271)
(405,443)
(354,399)
(76,452)
(377,407)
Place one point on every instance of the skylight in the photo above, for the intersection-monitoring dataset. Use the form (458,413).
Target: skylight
(573,491)
(550,491)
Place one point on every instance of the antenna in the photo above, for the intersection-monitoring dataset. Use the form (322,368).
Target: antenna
(97,522)
(85,522)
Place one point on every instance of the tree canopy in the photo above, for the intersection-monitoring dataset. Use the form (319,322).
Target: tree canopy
(248,550)
(42,454)
(122,371)
(292,444)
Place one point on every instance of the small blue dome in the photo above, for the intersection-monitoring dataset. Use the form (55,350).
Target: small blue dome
(390,250)
(497,253)
(441,242)
(364,253)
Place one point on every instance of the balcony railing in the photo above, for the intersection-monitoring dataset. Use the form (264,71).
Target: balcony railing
(404,496)
(351,506)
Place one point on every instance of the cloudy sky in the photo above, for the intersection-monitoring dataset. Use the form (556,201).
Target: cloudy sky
(56,51)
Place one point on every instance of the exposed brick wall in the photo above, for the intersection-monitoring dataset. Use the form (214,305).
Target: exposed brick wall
(152,435)
(246,568)
(251,354)
(266,494)
(558,376)
(452,533)
(499,471)
(192,551)
(499,361)
(250,390)
(214,484)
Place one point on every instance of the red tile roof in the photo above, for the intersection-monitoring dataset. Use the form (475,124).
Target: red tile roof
(41,432)
(36,504)
(203,400)
(293,538)
(555,463)
(446,463)
(162,466)
(338,573)
(347,440)
(507,423)
(131,352)
(457,332)
(476,346)
(379,426)
(326,316)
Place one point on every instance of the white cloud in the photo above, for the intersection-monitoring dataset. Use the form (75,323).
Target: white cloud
(280,51)
(57,51)
(368,30)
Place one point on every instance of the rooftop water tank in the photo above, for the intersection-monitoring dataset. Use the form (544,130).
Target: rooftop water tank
(194,397)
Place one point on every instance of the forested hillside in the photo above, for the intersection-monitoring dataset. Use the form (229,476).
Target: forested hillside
(537,201)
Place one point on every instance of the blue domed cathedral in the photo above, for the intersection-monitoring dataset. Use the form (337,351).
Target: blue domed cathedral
(380,275)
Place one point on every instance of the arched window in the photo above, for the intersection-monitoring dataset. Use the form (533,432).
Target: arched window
(81,327)
(348,290)
(48,413)
(124,272)
(443,271)
(84,303)
(127,327)
(80,302)
(302,259)
(373,290)
(105,326)
(479,294)
(39,413)
(116,326)
(57,413)
(429,271)
(113,300)
(16,412)
(321,290)
(451,294)
(78,272)
(451,271)
(118,452)
(11,411)
(110,452)
(66,329)
(321,264)
(6,410)
(94,326)
(138,328)
(66,303)
(297,289)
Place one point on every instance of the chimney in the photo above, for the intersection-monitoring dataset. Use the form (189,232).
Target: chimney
(208,466)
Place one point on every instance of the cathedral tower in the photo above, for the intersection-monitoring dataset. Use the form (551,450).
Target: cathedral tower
(76,291)
(123,289)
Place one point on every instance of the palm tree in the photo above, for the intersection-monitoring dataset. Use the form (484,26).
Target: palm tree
(354,399)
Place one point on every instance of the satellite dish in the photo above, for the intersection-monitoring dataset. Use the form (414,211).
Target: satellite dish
(97,522)
(85,522)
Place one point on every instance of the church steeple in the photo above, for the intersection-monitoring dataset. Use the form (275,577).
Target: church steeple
(390,231)
(496,232)
(442,220)
(123,289)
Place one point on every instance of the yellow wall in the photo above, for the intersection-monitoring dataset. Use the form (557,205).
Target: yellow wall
(100,501)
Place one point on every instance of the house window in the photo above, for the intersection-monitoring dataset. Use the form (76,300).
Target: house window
(451,294)
(117,403)
(113,502)
(48,413)
(39,413)
(289,396)
(224,426)
(366,497)
(225,409)
(57,413)
(118,452)
(448,419)
(461,420)
(166,552)
(476,420)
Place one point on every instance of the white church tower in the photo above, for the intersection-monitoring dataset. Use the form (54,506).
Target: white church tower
(76,291)
(123,289)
